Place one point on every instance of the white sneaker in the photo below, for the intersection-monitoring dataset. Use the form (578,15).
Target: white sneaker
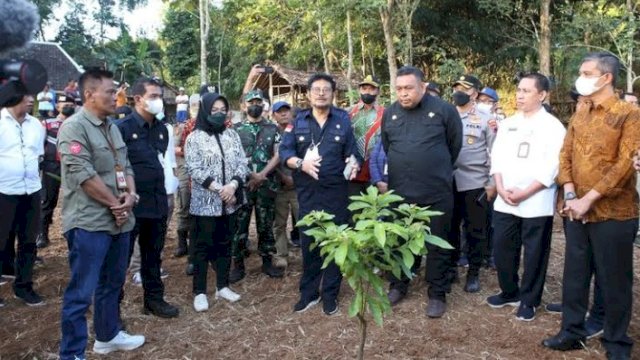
(163,274)
(136,279)
(227,294)
(122,341)
(200,303)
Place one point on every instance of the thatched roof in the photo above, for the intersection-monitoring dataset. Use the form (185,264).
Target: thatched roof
(285,76)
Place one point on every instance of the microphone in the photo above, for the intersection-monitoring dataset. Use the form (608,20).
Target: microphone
(19,20)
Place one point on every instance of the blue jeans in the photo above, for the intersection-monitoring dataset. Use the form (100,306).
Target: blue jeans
(98,263)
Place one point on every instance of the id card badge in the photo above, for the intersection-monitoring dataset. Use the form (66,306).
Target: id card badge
(386,169)
(523,150)
(121,181)
(312,152)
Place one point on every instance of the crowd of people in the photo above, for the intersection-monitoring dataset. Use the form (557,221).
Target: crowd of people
(498,181)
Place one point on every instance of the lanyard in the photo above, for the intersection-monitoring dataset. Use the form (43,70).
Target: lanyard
(107,138)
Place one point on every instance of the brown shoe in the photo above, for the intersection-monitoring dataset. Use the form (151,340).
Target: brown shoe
(436,308)
(395,296)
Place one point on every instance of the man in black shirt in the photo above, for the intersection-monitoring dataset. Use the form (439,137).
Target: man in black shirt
(422,136)
(146,138)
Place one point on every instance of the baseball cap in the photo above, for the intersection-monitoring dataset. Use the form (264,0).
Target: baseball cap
(253,94)
(370,80)
(181,88)
(490,93)
(279,105)
(468,81)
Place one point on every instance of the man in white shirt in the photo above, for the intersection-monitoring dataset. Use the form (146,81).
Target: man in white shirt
(22,140)
(182,106)
(524,164)
(46,102)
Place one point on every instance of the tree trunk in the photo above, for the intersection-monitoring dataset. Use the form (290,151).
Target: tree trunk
(544,48)
(204,36)
(364,58)
(350,66)
(363,335)
(322,48)
(220,62)
(387,27)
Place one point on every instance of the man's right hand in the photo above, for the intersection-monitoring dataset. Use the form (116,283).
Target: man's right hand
(636,161)
(311,167)
(382,186)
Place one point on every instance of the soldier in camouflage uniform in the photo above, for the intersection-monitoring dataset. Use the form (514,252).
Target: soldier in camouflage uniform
(260,139)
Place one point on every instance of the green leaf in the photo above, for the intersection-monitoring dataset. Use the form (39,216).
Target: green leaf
(358,205)
(376,312)
(380,233)
(341,253)
(354,308)
(407,257)
(432,239)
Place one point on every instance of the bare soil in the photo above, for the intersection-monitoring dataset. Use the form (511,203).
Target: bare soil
(262,324)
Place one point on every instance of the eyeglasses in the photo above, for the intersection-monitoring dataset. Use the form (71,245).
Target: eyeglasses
(325,90)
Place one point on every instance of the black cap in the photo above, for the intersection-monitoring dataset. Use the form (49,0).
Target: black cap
(469,81)
(432,86)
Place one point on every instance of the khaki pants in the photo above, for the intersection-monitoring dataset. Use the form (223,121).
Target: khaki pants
(286,203)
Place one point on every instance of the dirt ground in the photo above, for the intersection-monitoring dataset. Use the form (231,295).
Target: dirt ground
(262,324)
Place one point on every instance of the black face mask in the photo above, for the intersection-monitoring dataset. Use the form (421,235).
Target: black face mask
(368,98)
(217,121)
(68,111)
(254,111)
(460,98)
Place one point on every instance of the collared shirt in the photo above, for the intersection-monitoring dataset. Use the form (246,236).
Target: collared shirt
(422,144)
(44,105)
(21,146)
(182,106)
(259,141)
(85,152)
(365,121)
(597,154)
(474,161)
(526,150)
(144,143)
(210,162)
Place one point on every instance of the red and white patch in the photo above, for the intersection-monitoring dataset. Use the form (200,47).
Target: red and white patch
(75,148)
(288,128)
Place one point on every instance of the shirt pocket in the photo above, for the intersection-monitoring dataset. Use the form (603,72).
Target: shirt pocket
(103,159)
(303,140)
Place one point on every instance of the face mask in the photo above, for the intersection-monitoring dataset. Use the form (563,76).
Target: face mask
(486,108)
(587,86)
(160,116)
(154,106)
(217,121)
(68,111)
(460,98)
(368,98)
(254,111)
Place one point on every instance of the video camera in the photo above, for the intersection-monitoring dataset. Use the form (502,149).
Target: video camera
(18,21)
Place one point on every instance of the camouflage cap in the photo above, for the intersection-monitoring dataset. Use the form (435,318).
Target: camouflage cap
(469,81)
(370,80)
(253,94)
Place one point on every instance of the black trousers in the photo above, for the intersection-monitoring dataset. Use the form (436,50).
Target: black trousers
(212,244)
(50,191)
(151,234)
(605,248)
(313,274)
(511,235)
(20,213)
(439,265)
(470,212)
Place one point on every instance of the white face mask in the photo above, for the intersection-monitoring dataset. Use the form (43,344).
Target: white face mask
(486,108)
(587,86)
(154,106)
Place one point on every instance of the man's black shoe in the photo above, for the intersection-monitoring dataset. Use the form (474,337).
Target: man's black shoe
(181,250)
(330,306)
(303,305)
(473,284)
(42,241)
(237,272)
(395,296)
(189,270)
(269,269)
(614,356)
(555,308)
(436,308)
(1,303)
(161,309)
(29,296)
(561,342)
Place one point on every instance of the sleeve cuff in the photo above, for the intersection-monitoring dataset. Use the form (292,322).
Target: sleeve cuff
(83,175)
(207,182)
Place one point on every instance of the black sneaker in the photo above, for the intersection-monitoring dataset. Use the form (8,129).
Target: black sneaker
(160,308)
(330,306)
(555,308)
(29,297)
(304,305)
(526,313)
(499,301)
(1,303)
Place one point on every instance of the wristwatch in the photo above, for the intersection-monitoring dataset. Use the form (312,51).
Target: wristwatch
(570,196)
(299,164)
(136,196)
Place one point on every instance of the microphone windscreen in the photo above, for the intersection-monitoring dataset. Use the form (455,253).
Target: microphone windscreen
(19,20)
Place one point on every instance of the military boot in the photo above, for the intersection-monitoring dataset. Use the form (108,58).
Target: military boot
(269,269)
(237,272)
(181,250)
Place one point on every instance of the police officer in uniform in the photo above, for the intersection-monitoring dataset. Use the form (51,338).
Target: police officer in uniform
(473,187)
(317,145)
(260,138)
(51,168)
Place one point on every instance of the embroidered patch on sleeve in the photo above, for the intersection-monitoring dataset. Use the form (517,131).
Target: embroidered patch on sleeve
(75,148)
